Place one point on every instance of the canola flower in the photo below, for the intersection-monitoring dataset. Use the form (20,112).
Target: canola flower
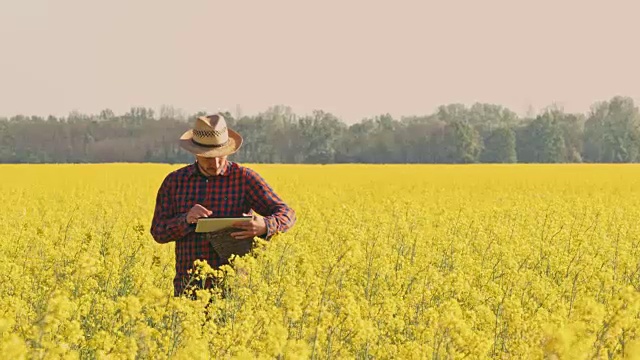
(386,261)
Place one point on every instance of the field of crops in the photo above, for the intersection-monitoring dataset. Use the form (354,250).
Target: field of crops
(386,261)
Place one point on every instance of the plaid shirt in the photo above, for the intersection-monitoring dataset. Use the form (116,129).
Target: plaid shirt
(236,191)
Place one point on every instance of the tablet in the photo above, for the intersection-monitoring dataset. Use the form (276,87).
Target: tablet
(215,224)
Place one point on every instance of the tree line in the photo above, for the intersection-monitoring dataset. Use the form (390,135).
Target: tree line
(453,133)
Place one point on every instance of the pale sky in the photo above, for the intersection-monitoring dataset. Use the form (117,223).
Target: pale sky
(354,59)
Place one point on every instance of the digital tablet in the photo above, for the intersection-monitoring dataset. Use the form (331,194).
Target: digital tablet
(215,224)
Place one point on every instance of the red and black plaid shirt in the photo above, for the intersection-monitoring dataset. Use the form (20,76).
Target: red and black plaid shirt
(236,191)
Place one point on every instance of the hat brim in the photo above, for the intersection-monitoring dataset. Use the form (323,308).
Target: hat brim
(234,143)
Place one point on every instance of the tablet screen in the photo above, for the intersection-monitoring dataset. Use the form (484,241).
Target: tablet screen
(215,224)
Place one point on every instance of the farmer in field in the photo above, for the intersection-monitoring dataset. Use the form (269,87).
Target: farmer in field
(213,186)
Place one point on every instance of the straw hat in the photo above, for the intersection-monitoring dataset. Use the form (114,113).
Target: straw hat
(210,137)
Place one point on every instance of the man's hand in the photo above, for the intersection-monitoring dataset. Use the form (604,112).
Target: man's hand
(255,227)
(196,212)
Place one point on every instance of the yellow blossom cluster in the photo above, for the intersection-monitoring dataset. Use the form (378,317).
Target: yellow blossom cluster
(385,261)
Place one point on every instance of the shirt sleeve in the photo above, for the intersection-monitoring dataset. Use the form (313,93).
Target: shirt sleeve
(278,216)
(166,225)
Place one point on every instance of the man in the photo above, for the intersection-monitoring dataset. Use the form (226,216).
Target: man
(213,186)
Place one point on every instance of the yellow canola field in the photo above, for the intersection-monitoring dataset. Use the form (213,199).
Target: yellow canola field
(385,261)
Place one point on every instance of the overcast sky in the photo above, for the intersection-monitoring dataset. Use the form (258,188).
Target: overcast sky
(352,58)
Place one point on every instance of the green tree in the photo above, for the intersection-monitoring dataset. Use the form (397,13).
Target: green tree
(612,132)
(463,143)
(541,141)
(500,146)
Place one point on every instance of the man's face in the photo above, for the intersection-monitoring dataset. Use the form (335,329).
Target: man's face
(212,166)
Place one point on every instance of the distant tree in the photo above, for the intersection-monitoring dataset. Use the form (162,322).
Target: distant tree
(541,141)
(451,134)
(500,146)
(106,114)
(612,132)
(463,143)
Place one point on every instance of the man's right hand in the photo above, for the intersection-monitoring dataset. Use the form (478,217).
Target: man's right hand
(196,212)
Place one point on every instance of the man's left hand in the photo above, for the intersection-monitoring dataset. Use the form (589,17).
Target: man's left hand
(255,227)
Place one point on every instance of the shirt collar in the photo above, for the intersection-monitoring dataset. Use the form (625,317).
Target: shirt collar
(194,170)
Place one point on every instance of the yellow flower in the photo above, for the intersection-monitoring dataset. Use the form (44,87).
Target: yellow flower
(442,261)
